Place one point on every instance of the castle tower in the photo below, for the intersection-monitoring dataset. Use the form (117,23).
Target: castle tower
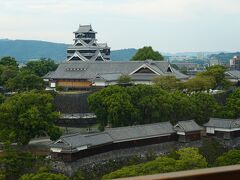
(86,48)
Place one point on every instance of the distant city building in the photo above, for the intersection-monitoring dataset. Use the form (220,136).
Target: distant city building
(200,55)
(214,62)
(235,63)
(86,48)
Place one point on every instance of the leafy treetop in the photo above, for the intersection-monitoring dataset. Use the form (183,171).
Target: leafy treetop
(28,115)
(41,67)
(8,61)
(147,53)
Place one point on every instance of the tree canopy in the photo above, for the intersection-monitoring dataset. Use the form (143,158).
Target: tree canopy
(142,104)
(44,175)
(41,67)
(217,72)
(145,53)
(28,115)
(25,81)
(229,158)
(124,79)
(167,82)
(8,61)
(186,159)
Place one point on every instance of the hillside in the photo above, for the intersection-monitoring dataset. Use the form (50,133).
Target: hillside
(23,50)
(225,57)
(123,54)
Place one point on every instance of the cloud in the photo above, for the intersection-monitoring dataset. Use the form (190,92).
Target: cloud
(166,10)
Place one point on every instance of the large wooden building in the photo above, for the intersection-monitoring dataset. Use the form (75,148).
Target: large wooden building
(84,75)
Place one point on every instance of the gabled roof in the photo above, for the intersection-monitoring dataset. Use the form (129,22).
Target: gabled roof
(223,123)
(77,140)
(187,126)
(84,28)
(90,69)
(140,131)
(108,76)
(77,54)
(234,74)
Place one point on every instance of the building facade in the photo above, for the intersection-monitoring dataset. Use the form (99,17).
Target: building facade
(86,48)
(223,128)
(235,63)
(85,75)
(188,131)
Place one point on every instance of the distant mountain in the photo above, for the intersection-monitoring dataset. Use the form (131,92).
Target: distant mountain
(123,54)
(224,57)
(24,50)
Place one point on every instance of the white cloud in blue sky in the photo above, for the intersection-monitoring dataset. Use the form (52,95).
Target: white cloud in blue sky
(167,25)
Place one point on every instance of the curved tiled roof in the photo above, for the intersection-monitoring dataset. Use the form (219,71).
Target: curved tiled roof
(187,126)
(223,123)
(89,70)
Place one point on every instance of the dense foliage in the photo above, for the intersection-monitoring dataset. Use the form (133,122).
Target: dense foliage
(229,158)
(141,104)
(147,53)
(8,61)
(41,67)
(25,81)
(211,150)
(28,115)
(25,78)
(186,159)
(232,107)
(123,79)
(15,163)
(44,176)
(167,82)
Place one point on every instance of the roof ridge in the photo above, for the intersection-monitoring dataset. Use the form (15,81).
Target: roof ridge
(70,135)
(139,125)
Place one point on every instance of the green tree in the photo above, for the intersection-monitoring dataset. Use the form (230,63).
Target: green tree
(229,158)
(8,61)
(2,98)
(151,102)
(182,107)
(45,176)
(124,79)
(211,149)
(147,53)
(217,72)
(28,115)
(186,159)
(233,104)
(15,163)
(112,105)
(41,67)
(167,82)
(205,107)
(25,81)
(200,83)
(8,72)
(189,158)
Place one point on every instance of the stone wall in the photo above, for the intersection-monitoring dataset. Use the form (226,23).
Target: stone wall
(163,148)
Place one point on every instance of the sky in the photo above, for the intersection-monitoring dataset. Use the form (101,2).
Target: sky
(166,25)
